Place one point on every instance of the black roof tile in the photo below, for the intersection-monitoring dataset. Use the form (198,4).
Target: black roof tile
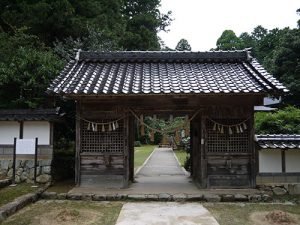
(52,114)
(278,141)
(163,73)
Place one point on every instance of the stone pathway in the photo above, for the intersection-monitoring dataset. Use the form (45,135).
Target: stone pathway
(165,213)
(161,163)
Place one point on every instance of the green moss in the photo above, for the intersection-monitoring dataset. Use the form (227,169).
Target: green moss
(8,194)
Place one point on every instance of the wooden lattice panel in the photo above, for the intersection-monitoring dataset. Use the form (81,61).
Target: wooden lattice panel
(108,142)
(218,142)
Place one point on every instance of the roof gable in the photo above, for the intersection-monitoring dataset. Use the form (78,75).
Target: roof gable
(127,73)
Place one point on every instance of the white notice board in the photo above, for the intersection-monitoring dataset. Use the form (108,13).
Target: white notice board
(25,147)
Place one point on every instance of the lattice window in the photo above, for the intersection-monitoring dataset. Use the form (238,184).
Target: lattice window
(218,142)
(108,142)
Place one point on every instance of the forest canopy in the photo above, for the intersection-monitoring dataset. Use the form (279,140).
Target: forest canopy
(37,37)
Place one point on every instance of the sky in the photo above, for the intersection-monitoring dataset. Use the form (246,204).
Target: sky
(202,22)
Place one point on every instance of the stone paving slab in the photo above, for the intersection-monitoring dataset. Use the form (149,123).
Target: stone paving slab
(165,213)
(161,163)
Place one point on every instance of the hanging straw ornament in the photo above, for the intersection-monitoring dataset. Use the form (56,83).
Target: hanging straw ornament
(241,129)
(113,126)
(93,127)
(244,126)
(89,126)
(222,130)
(230,130)
(96,127)
(109,127)
(219,128)
(103,128)
(117,125)
(237,129)
(215,127)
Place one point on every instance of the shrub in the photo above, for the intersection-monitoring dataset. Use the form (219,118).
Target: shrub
(137,144)
(284,121)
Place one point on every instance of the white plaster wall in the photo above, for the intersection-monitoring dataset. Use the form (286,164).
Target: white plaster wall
(270,161)
(8,131)
(292,161)
(39,129)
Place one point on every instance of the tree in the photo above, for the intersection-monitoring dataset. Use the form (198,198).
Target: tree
(183,45)
(229,41)
(143,22)
(286,58)
(26,69)
(53,20)
(285,121)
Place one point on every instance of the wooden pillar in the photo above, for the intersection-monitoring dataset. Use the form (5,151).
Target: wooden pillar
(131,148)
(78,143)
(203,149)
(253,151)
(21,134)
(126,138)
(192,150)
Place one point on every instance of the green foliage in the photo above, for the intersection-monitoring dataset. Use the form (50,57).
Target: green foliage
(95,40)
(26,69)
(278,50)
(137,144)
(143,21)
(285,121)
(229,41)
(183,45)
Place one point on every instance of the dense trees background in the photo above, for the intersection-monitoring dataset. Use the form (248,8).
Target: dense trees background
(38,36)
(279,52)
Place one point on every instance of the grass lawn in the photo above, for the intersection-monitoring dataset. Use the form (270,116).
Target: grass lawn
(181,156)
(239,213)
(67,212)
(62,186)
(8,194)
(141,154)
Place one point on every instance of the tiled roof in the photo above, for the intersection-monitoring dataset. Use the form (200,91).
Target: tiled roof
(115,73)
(30,114)
(278,141)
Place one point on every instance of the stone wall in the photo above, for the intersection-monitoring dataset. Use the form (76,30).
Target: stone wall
(25,170)
(25,165)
